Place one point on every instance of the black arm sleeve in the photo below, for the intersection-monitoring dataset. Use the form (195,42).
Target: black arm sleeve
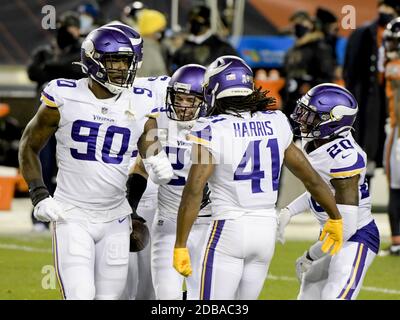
(135,187)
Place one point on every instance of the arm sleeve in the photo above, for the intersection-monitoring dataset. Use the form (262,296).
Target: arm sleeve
(347,165)
(287,129)
(299,205)
(202,134)
(50,95)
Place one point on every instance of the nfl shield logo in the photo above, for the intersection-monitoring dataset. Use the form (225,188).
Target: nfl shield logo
(104,110)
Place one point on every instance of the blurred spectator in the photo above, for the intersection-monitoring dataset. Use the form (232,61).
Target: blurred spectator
(88,18)
(10,134)
(308,63)
(54,60)
(391,42)
(51,62)
(151,25)
(363,73)
(130,13)
(327,23)
(202,46)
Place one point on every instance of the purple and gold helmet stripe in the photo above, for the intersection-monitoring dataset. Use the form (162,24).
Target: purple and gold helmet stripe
(207,269)
(55,255)
(356,273)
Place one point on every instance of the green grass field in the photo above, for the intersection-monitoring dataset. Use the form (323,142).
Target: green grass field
(23,258)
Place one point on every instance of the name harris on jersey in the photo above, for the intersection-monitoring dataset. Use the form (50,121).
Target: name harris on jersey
(252,129)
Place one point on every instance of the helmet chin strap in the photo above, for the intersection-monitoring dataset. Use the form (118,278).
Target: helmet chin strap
(111,88)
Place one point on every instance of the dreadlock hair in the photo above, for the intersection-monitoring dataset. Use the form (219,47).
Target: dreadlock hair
(256,101)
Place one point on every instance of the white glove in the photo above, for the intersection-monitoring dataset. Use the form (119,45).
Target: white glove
(159,168)
(284,219)
(303,264)
(398,149)
(48,210)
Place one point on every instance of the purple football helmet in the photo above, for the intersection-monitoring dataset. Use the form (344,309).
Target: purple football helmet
(109,58)
(185,101)
(325,111)
(134,36)
(227,76)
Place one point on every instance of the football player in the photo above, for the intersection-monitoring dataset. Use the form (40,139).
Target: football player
(97,121)
(239,149)
(183,105)
(325,115)
(391,42)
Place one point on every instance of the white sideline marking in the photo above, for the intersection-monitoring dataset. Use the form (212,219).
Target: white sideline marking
(23,248)
(270,276)
(372,289)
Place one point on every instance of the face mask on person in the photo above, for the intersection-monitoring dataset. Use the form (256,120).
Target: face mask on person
(300,30)
(64,38)
(385,18)
(196,27)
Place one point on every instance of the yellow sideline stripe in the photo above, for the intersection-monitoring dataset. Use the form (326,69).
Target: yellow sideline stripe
(206,257)
(360,249)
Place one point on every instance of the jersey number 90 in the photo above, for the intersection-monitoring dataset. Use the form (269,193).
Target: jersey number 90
(91,138)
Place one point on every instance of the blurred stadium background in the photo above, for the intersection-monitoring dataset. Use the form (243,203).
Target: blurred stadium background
(257,31)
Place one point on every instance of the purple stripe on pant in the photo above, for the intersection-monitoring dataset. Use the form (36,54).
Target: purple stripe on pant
(359,273)
(209,259)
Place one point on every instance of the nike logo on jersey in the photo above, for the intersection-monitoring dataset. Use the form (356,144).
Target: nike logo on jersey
(121,220)
(344,157)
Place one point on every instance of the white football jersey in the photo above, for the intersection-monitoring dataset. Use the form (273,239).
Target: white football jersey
(249,154)
(341,158)
(174,137)
(95,140)
(157,86)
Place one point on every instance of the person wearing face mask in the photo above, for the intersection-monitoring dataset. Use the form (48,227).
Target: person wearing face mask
(202,46)
(88,16)
(363,73)
(308,63)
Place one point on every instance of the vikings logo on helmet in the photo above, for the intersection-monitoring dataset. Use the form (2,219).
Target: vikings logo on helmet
(227,76)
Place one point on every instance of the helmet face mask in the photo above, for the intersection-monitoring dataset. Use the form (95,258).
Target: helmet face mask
(325,111)
(184,100)
(120,69)
(183,106)
(308,119)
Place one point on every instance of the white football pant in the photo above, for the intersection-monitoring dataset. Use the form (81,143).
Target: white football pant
(167,281)
(236,257)
(91,259)
(337,277)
